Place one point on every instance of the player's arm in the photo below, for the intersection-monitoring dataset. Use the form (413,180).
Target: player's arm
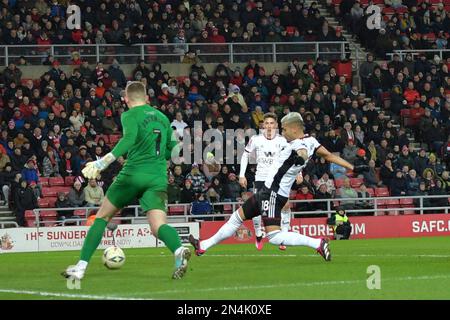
(328,156)
(93,169)
(244,162)
(172,144)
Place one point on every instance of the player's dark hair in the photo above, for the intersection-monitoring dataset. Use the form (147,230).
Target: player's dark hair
(271,115)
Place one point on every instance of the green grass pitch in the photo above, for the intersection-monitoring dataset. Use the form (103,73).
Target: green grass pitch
(411,268)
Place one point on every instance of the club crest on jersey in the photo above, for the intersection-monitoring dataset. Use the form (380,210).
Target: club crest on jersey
(243,234)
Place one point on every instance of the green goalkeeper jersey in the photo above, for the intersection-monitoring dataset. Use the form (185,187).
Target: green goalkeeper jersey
(148,140)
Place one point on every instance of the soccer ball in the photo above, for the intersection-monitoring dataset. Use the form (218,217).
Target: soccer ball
(113,258)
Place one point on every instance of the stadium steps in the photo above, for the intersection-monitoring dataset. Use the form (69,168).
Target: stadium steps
(6,215)
(333,22)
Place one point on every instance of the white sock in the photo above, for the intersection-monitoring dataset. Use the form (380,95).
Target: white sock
(178,251)
(257,224)
(285,220)
(82,264)
(226,231)
(292,239)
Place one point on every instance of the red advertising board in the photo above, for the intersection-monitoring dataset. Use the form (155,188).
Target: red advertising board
(363,227)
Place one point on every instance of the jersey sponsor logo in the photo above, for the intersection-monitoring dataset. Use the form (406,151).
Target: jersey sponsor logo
(243,234)
(269,154)
(265,161)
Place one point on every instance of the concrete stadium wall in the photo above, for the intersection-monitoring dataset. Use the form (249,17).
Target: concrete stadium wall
(176,70)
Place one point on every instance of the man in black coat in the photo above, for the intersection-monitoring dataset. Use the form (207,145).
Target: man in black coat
(24,199)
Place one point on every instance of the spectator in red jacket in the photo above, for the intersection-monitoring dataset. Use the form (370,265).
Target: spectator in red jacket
(411,95)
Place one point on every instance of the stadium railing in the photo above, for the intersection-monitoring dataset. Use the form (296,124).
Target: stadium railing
(442,53)
(381,206)
(8,223)
(174,53)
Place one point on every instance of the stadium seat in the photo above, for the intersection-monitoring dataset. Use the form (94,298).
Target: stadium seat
(43,203)
(292,194)
(114,138)
(79,212)
(102,136)
(56,181)
(406,202)
(47,214)
(290,30)
(227,208)
(69,180)
(63,189)
(176,210)
(382,192)
(43,181)
(51,201)
(49,192)
(338,183)
(356,182)
(371,192)
(392,204)
(408,212)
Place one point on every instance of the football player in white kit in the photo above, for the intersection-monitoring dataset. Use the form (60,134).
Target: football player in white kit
(269,201)
(267,147)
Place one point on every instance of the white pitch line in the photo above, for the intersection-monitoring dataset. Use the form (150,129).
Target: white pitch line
(305,255)
(298,284)
(66,295)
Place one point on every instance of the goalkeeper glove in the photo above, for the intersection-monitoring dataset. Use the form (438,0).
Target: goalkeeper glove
(92,169)
(361,168)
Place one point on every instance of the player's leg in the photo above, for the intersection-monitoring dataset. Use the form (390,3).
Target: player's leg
(92,240)
(285,221)
(114,200)
(248,210)
(154,203)
(278,237)
(257,221)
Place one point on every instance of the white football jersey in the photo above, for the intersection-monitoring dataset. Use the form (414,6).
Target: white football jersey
(266,151)
(283,172)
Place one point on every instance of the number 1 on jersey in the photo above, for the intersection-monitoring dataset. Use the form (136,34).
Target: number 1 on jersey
(158,141)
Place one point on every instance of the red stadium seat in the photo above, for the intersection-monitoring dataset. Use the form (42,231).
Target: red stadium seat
(382,192)
(227,208)
(56,181)
(51,201)
(48,214)
(114,138)
(356,182)
(64,189)
(176,210)
(49,192)
(406,203)
(102,136)
(43,203)
(371,192)
(43,181)
(290,30)
(408,212)
(69,180)
(338,183)
(79,212)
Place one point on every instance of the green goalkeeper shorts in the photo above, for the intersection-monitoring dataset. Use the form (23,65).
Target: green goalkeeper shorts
(151,191)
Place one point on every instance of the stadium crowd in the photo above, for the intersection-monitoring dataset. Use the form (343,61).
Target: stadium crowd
(53,125)
(172,23)
(405,24)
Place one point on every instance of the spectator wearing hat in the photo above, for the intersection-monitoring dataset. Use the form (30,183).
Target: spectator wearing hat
(108,123)
(76,195)
(197,178)
(232,188)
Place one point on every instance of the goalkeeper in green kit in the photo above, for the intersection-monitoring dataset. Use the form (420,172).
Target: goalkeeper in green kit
(147,137)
